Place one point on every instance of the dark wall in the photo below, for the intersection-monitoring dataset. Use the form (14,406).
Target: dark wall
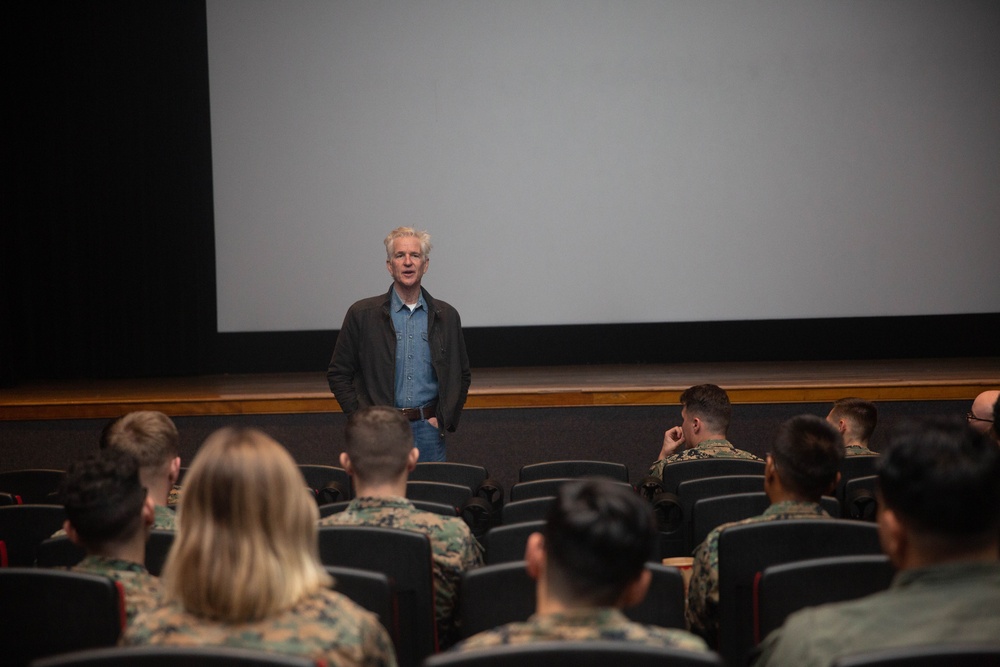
(107,260)
(501,439)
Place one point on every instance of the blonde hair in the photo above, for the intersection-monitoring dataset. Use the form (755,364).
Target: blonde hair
(246,544)
(150,436)
(401,232)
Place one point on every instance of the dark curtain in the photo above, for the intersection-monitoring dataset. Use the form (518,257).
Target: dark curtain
(108,243)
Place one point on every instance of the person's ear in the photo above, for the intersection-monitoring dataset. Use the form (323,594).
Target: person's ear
(70,531)
(345,463)
(175,470)
(411,459)
(635,591)
(148,512)
(534,555)
(842,426)
(695,425)
(891,533)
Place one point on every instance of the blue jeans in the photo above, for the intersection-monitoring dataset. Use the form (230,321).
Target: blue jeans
(428,440)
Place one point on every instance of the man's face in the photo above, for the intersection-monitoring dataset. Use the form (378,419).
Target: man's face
(981,415)
(407,265)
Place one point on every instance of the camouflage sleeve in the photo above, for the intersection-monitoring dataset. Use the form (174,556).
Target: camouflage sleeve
(656,470)
(703,591)
(378,649)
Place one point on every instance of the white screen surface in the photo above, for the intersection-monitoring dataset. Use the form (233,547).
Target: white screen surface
(582,162)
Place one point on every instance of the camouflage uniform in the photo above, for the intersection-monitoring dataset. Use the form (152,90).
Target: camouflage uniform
(952,603)
(703,591)
(324,626)
(142,590)
(858,450)
(601,623)
(164,518)
(174,496)
(708,449)
(454,549)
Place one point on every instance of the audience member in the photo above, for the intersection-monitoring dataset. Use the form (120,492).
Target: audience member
(982,416)
(855,418)
(108,513)
(589,564)
(705,414)
(151,437)
(804,465)
(938,521)
(244,569)
(379,455)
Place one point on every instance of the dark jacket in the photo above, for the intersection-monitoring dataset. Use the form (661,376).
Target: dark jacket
(362,370)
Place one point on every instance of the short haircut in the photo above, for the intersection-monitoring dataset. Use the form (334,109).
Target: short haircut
(861,416)
(378,441)
(598,537)
(150,436)
(246,546)
(402,232)
(807,453)
(709,403)
(103,497)
(943,477)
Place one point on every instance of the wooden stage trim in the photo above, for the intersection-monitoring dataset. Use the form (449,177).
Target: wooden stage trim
(577,386)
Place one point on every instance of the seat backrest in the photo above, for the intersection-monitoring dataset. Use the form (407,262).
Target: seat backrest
(542,487)
(23,528)
(783,589)
(675,473)
(439,492)
(319,477)
(576,653)
(692,490)
(463,474)
(505,544)
(747,549)
(175,656)
(952,655)
(494,595)
(157,547)
(855,466)
(859,501)
(403,556)
(372,590)
(55,611)
(532,509)
(562,469)
(711,513)
(33,486)
(59,552)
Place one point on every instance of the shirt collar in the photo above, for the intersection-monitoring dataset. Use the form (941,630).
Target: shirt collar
(396,304)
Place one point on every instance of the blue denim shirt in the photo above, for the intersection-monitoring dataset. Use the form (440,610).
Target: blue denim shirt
(416,383)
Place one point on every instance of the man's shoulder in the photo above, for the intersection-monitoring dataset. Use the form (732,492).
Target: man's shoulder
(376,302)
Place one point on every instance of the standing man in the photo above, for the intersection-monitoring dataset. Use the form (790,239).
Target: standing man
(405,350)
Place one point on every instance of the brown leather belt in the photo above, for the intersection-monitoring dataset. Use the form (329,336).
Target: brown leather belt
(416,414)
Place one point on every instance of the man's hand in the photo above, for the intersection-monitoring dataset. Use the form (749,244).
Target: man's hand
(673,442)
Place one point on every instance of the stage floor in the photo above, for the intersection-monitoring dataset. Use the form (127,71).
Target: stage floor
(502,388)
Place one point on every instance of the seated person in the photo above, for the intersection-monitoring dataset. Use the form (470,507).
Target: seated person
(705,416)
(982,414)
(379,455)
(109,513)
(588,564)
(938,521)
(152,438)
(244,569)
(855,418)
(803,466)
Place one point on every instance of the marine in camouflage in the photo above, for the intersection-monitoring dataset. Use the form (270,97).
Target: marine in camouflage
(454,549)
(858,450)
(601,623)
(703,591)
(142,590)
(707,449)
(164,518)
(325,626)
